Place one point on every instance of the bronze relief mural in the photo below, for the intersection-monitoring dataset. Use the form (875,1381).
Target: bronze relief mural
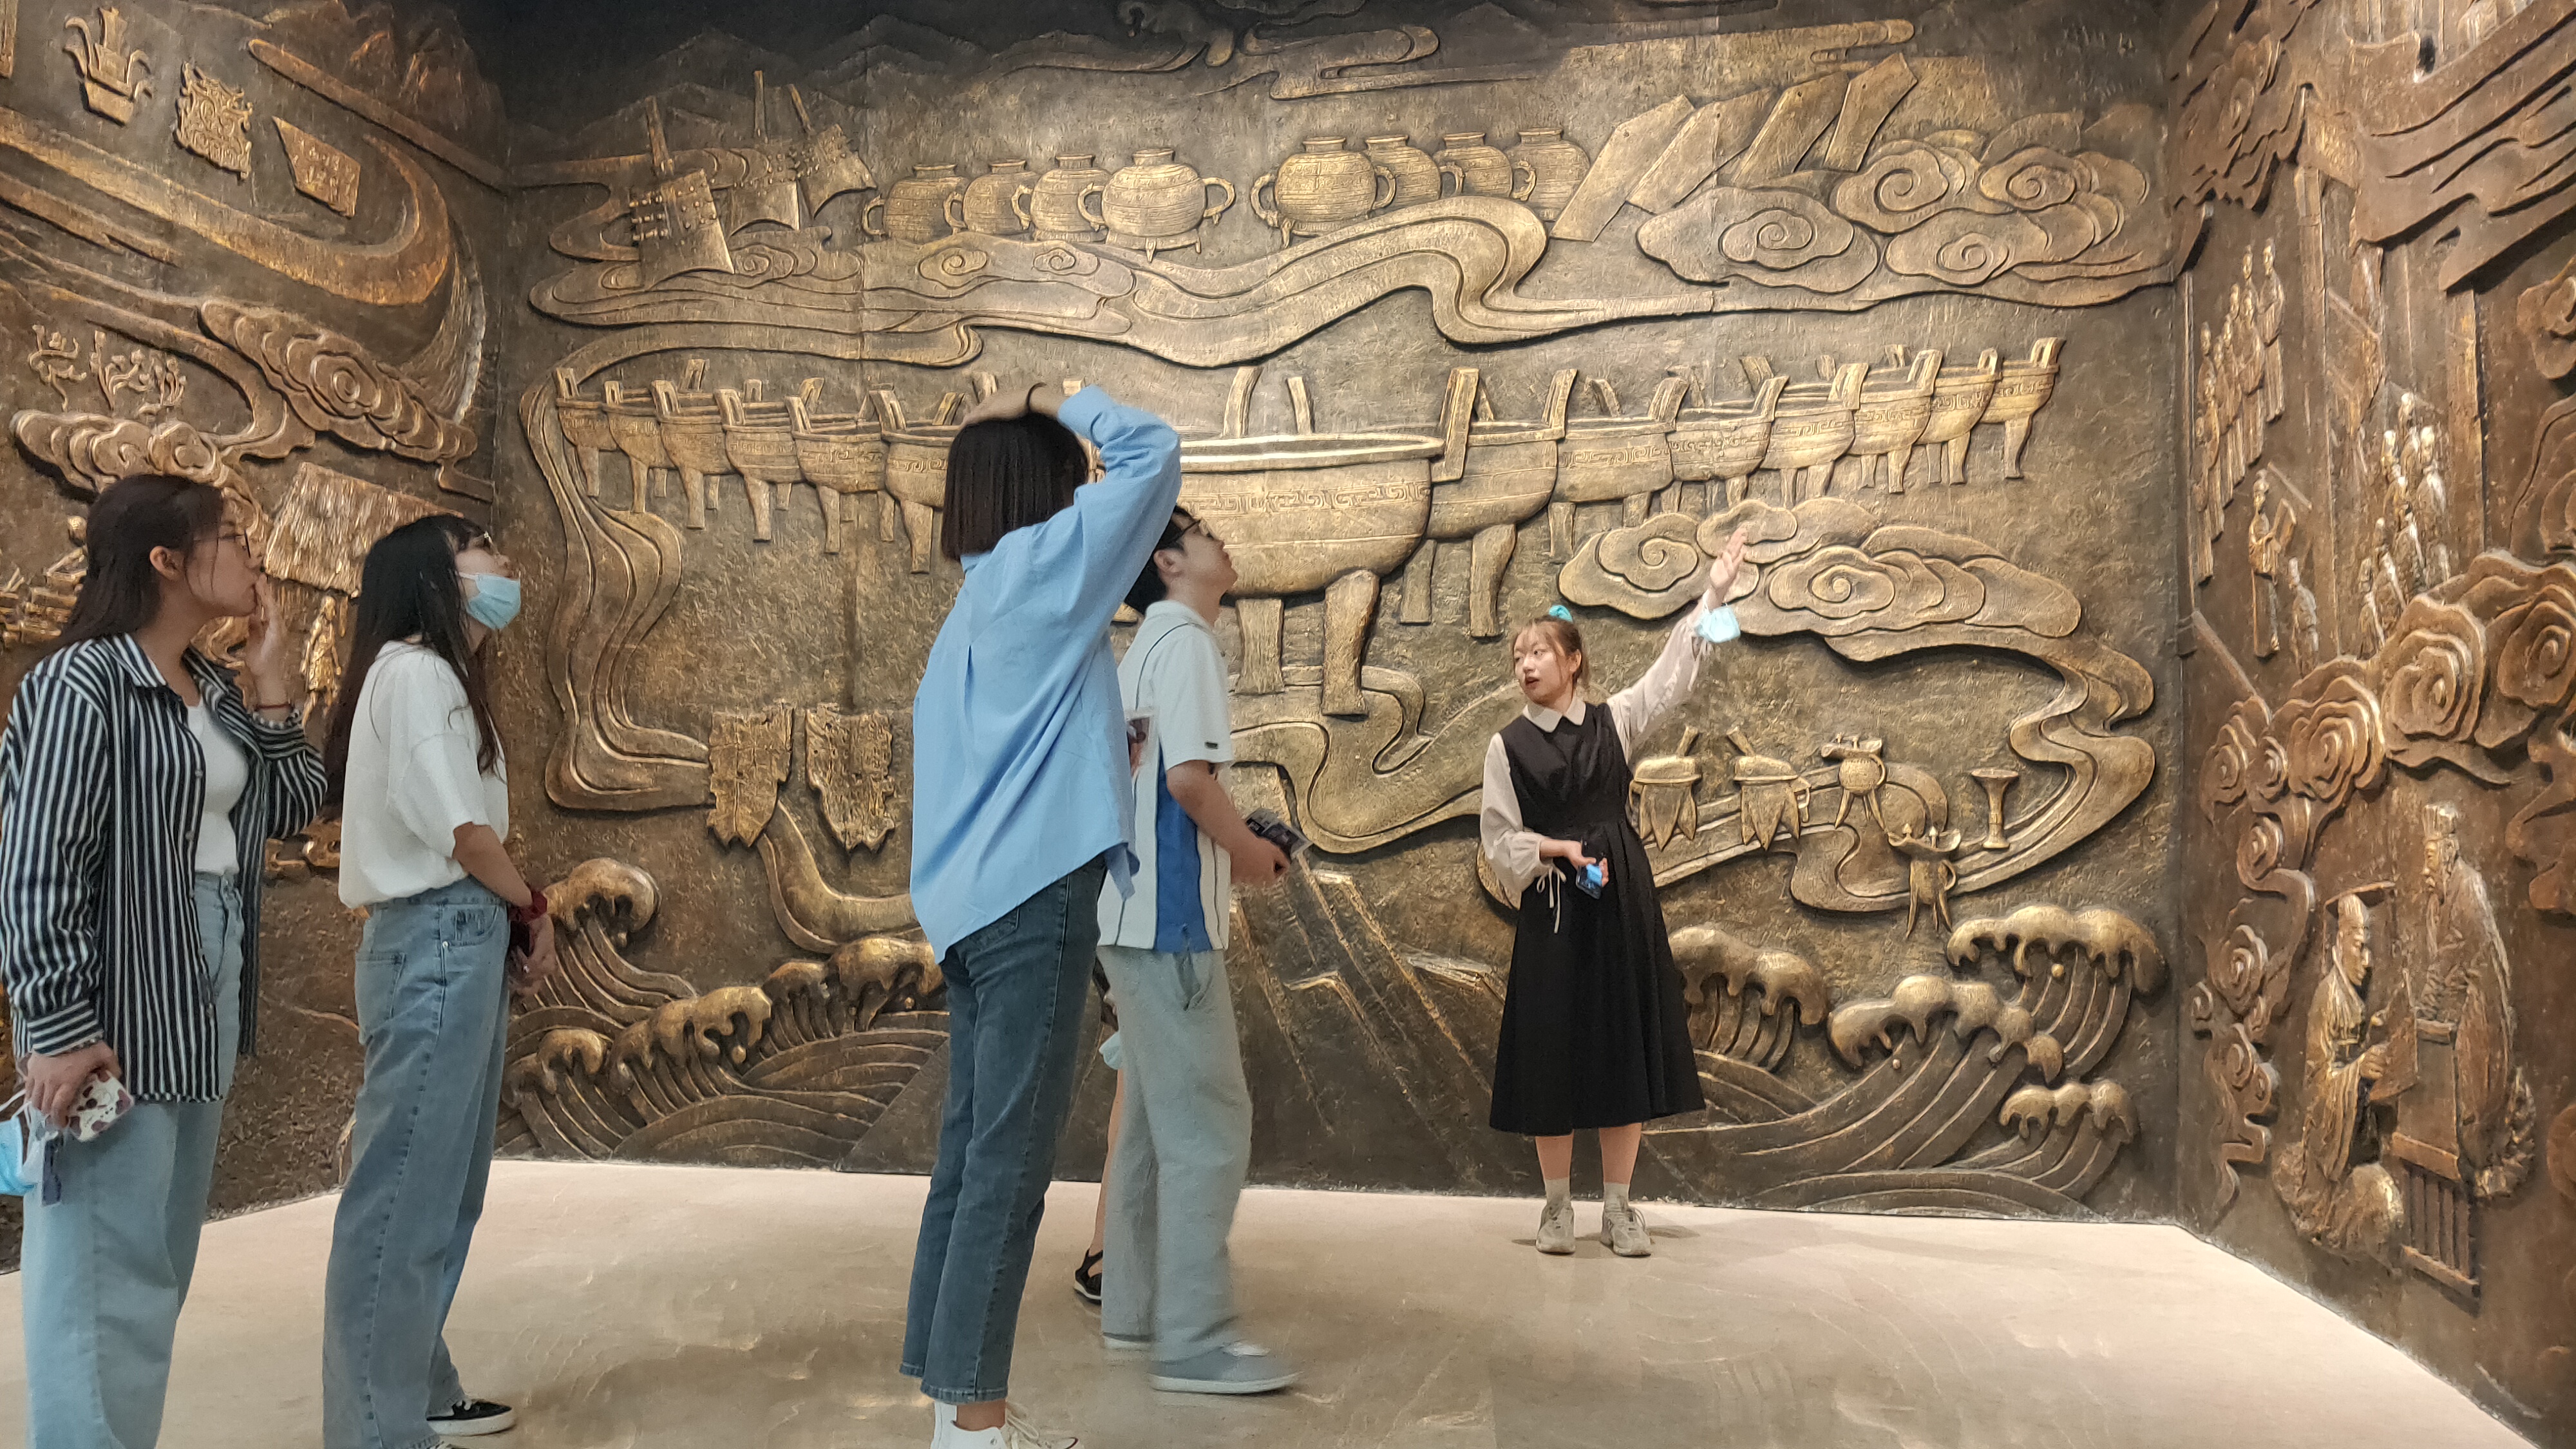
(1449,340)
(2380,682)
(224,271)
(2158,454)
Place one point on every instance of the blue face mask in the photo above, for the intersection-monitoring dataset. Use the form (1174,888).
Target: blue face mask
(494,602)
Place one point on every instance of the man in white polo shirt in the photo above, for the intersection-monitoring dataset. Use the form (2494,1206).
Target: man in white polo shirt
(1187,1136)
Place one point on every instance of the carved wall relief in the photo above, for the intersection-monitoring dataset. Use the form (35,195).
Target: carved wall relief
(1425,390)
(186,312)
(2379,709)
(214,120)
(113,77)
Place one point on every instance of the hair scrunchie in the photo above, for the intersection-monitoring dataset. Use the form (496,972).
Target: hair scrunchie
(1559,611)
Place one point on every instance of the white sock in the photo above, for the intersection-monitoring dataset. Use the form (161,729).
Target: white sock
(1560,1192)
(1614,1197)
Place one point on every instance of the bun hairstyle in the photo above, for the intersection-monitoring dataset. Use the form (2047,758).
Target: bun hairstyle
(1559,629)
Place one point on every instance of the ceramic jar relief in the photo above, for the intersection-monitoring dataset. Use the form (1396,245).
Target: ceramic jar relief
(995,203)
(1417,176)
(1320,188)
(1556,167)
(1055,203)
(1480,169)
(916,210)
(1155,202)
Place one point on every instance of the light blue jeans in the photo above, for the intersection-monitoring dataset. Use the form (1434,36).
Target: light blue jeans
(433,1017)
(1183,1148)
(1016,993)
(105,1268)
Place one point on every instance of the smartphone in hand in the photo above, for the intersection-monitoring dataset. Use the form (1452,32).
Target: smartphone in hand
(1292,843)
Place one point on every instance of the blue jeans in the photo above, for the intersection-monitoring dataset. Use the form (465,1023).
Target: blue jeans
(105,1268)
(433,1017)
(1017,992)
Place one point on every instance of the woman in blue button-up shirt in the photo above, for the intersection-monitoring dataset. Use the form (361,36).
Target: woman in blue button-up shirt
(1020,812)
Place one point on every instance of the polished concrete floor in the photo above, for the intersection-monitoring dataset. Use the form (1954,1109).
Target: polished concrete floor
(628,1307)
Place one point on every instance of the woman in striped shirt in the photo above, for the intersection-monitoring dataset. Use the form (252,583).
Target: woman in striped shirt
(138,785)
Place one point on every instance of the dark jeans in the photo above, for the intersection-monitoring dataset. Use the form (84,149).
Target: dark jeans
(1016,996)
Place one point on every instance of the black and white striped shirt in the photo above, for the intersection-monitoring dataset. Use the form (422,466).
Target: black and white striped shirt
(101,787)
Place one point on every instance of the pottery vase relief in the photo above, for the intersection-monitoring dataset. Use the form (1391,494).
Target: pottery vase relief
(995,203)
(1155,203)
(1055,202)
(1320,188)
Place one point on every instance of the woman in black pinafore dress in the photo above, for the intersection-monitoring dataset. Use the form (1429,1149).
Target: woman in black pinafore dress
(1595,1031)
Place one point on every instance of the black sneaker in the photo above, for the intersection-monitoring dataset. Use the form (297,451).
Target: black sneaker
(472,1417)
(1086,1279)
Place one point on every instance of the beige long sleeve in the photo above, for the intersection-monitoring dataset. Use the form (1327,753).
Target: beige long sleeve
(1640,707)
(1511,848)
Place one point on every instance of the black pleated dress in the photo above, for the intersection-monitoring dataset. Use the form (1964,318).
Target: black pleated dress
(1595,1031)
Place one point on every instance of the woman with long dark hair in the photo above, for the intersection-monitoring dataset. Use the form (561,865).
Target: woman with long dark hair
(1021,808)
(139,783)
(417,768)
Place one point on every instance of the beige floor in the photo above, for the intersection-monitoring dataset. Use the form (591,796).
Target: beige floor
(644,1307)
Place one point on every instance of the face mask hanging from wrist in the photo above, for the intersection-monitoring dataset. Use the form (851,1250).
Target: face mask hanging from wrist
(494,602)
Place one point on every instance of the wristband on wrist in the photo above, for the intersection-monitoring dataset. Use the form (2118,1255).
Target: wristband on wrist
(533,911)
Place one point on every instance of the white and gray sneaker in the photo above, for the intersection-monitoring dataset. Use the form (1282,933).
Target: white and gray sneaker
(472,1417)
(1625,1231)
(1014,1433)
(1556,1229)
(1237,1368)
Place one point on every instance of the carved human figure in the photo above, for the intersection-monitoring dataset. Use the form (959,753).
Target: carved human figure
(2414,555)
(2432,500)
(2246,363)
(2390,578)
(2336,1193)
(2370,609)
(2269,301)
(2231,400)
(2267,543)
(2304,632)
(2467,983)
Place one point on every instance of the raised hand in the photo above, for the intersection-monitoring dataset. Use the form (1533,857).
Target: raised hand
(268,654)
(1007,403)
(1722,571)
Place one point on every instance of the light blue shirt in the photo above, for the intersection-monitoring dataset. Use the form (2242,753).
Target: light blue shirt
(1019,744)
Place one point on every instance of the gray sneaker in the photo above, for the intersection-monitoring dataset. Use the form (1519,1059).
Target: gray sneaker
(1237,1368)
(1556,1229)
(1625,1232)
(1121,1343)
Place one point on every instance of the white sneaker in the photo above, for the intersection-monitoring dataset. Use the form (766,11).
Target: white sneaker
(1556,1229)
(1625,1232)
(1014,1434)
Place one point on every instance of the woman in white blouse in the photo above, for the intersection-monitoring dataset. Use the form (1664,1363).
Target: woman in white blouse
(417,765)
(1595,1031)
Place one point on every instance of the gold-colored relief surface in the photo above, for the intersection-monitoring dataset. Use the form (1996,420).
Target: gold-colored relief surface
(1462,313)
(2379,683)
(1428,384)
(184,313)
